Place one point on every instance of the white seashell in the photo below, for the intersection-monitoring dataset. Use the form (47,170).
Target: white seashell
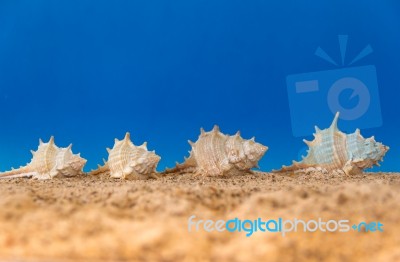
(126,159)
(217,154)
(49,161)
(333,150)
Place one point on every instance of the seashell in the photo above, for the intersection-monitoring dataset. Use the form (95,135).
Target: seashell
(126,159)
(49,161)
(217,154)
(334,150)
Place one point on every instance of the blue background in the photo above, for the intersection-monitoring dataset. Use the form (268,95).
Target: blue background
(88,71)
(310,107)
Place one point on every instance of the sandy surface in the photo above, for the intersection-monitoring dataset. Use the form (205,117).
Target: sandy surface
(101,219)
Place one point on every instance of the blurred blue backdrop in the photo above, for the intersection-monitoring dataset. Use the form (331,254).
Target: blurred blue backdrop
(88,71)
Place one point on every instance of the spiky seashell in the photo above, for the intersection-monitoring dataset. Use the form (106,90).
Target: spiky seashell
(334,150)
(126,159)
(49,161)
(217,154)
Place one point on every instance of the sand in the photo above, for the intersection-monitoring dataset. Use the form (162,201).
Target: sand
(102,219)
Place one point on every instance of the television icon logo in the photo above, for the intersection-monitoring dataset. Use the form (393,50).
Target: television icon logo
(353,91)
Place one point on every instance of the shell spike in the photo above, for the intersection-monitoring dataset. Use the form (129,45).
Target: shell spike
(33,152)
(202,131)
(237,133)
(317,130)
(190,143)
(253,139)
(334,124)
(127,136)
(70,146)
(40,142)
(51,140)
(108,150)
(308,143)
(144,145)
(216,129)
